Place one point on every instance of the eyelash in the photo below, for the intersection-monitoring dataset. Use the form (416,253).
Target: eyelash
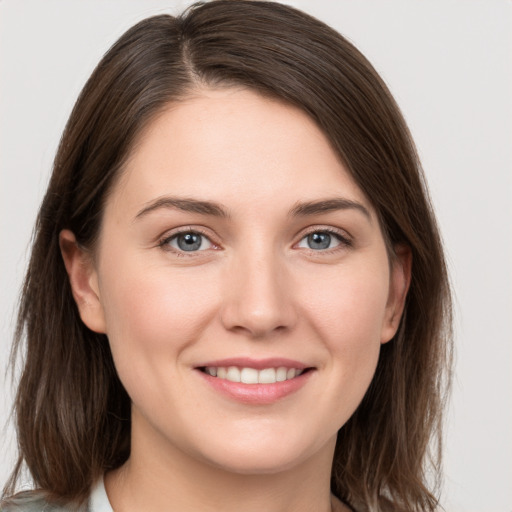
(344,241)
(164,243)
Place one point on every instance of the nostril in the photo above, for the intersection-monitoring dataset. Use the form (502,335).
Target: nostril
(258,305)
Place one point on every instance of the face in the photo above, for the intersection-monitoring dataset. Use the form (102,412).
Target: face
(243,282)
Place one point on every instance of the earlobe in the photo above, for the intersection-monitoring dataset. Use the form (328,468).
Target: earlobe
(400,280)
(83,280)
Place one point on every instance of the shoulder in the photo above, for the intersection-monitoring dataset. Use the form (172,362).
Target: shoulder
(34,501)
(37,501)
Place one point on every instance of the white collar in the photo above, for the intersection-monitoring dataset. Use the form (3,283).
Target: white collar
(98,502)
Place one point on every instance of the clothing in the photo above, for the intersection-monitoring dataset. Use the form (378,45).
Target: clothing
(32,501)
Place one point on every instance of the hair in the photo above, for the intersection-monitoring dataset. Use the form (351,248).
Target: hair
(72,413)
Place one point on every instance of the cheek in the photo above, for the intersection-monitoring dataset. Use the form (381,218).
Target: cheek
(152,314)
(350,322)
(350,308)
(348,318)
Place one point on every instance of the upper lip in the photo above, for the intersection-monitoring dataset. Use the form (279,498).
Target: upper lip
(258,364)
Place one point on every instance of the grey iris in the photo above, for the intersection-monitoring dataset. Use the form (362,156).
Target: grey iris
(319,240)
(189,241)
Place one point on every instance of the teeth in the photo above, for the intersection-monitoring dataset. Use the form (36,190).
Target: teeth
(253,376)
(267,376)
(249,376)
(281,374)
(233,374)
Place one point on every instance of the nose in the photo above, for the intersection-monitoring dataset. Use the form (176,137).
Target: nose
(258,297)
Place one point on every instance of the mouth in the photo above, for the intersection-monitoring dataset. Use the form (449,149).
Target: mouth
(249,375)
(255,381)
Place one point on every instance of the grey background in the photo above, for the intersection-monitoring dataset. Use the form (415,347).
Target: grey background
(448,64)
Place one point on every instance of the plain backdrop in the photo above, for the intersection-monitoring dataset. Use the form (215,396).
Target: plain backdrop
(448,63)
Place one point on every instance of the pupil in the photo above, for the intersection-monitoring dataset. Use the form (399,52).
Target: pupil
(319,240)
(189,242)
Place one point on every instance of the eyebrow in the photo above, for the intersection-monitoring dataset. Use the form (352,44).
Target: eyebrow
(328,205)
(301,209)
(186,205)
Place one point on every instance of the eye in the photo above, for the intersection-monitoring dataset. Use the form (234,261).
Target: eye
(322,240)
(188,241)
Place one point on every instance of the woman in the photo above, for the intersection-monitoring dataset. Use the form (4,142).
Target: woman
(237,296)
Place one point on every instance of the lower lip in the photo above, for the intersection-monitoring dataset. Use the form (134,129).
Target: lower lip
(257,394)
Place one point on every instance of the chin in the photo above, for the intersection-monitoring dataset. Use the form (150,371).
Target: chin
(264,458)
(267,464)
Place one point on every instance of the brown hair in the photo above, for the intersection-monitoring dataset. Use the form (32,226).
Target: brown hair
(72,412)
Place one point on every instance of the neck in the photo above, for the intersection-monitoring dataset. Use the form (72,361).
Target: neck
(156,479)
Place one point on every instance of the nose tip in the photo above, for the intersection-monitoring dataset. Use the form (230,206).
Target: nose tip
(258,302)
(257,323)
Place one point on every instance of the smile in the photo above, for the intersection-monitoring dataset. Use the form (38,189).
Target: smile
(254,381)
(247,375)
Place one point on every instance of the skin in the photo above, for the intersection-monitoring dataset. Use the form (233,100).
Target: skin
(255,289)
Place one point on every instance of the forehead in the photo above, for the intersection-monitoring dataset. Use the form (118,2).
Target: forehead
(232,145)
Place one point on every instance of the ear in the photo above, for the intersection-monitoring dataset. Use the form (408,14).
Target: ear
(83,279)
(399,281)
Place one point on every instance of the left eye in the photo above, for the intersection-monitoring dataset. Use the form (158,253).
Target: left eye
(189,241)
(320,240)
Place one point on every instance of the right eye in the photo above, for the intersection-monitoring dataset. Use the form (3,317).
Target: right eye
(187,241)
